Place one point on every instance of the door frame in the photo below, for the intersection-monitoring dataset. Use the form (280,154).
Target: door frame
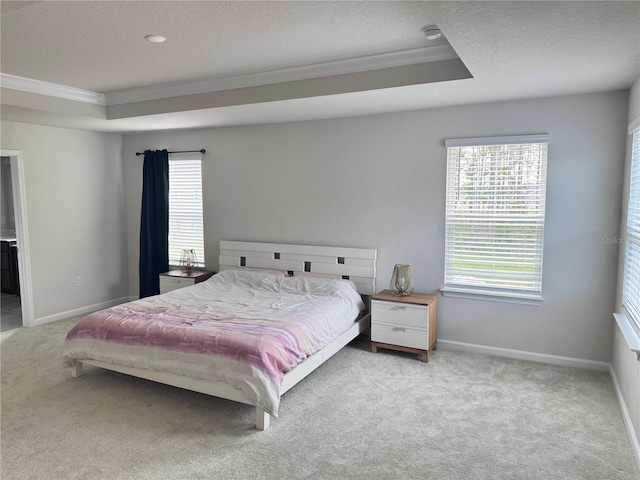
(22,234)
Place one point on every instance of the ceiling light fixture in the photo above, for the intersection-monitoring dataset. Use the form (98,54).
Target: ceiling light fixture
(155,38)
(432,32)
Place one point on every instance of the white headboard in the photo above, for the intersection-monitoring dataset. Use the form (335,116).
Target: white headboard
(355,264)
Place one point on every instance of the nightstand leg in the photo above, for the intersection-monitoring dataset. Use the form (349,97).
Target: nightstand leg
(374,348)
(425,357)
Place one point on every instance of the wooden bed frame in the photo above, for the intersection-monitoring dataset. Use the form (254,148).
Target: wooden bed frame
(355,264)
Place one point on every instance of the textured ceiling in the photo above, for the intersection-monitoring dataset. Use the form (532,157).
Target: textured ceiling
(512,49)
(100,46)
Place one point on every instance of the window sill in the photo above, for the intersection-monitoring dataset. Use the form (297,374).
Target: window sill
(492,296)
(630,335)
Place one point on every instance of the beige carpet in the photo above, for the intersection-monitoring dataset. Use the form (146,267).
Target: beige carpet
(360,416)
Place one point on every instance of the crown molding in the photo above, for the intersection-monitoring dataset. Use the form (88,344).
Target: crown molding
(339,67)
(50,89)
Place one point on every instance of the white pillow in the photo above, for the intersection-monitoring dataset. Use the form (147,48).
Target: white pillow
(280,273)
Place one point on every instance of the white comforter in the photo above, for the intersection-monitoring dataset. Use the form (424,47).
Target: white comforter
(243,328)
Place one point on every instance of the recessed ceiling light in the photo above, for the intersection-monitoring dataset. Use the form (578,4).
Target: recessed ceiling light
(155,38)
(432,32)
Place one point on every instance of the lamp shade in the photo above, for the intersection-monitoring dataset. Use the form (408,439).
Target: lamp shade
(402,280)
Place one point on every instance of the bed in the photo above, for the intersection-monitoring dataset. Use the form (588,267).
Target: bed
(273,314)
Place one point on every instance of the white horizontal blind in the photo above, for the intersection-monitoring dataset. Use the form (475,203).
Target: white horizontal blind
(185,207)
(495,208)
(631,278)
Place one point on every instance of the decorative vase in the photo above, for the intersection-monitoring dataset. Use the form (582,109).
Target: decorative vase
(188,260)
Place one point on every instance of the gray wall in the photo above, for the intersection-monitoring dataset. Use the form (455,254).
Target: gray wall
(75,216)
(378,181)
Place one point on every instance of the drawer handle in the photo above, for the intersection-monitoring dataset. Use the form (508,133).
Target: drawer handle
(398,308)
(398,329)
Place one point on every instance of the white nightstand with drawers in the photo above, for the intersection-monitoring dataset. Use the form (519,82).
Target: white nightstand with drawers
(175,279)
(406,323)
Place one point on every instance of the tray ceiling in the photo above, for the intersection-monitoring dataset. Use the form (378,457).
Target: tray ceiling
(338,57)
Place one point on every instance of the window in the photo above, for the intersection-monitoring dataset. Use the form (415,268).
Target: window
(185,206)
(631,276)
(494,220)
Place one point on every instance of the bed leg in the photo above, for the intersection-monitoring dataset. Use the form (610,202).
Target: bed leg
(263,419)
(77,370)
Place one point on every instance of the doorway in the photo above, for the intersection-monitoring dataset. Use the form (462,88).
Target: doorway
(18,299)
(10,305)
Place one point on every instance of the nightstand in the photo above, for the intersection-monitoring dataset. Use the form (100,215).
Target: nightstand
(405,323)
(175,279)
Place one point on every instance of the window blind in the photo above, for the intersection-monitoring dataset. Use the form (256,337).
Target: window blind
(495,210)
(185,207)
(631,276)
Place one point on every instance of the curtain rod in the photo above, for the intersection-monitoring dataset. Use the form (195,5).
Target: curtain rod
(181,151)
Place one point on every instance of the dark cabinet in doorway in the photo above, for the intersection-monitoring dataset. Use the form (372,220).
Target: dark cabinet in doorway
(9,267)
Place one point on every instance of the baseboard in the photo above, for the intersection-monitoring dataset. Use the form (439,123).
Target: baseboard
(633,438)
(523,355)
(79,311)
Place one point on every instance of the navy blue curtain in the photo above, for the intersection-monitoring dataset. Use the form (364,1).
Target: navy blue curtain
(154,223)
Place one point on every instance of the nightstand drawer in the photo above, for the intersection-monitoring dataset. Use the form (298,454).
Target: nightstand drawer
(399,335)
(171,283)
(401,314)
